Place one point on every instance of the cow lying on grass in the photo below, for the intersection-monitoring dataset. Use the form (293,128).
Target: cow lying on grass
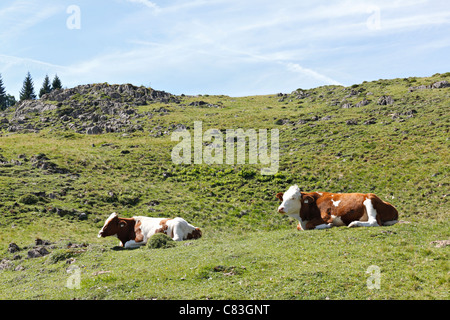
(134,232)
(320,210)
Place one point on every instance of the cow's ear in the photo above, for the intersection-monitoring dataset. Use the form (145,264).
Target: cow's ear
(122,223)
(308,199)
(280,196)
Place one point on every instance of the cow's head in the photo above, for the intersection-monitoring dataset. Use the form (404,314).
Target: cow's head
(112,226)
(290,201)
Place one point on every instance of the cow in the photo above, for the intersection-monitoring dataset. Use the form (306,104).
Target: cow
(134,232)
(321,210)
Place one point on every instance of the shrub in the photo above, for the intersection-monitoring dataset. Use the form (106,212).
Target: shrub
(60,256)
(129,200)
(28,199)
(160,240)
(247,173)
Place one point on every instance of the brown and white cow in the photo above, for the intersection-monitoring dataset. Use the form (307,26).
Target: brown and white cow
(320,210)
(134,232)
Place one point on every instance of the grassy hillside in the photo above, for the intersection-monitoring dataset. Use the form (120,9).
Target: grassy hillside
(389,137)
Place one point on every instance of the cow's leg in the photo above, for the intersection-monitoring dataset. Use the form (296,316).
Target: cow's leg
(178,232)
(371,214)
(133,244)
(324,226)
(317,223)
(390,223)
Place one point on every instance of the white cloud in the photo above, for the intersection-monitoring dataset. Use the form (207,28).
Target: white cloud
(229,46)
(314,74)
(146,3)
(22,15)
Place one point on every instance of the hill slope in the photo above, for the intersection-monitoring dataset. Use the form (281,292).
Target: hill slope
(70,159)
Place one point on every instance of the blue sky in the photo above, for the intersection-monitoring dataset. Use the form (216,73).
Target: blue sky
(231,47)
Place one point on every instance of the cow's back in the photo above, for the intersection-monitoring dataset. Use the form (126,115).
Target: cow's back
(385,210)
(149,226)
(348,206)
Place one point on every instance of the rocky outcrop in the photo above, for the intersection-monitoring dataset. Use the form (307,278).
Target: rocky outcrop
(436,85)
(86,109)
(385,100)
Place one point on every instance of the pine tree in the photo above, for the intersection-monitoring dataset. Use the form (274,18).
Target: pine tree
(27,91)
(46,88)
(56,84)
(3,97)
(10,100)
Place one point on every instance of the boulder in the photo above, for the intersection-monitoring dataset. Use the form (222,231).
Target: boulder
(37,252)
(94,130)
(385,100)
(440,84)
(12,248)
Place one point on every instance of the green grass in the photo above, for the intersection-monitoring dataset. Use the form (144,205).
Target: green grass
(248,250)
(283,264)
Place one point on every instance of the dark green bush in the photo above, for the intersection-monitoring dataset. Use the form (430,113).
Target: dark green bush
(28,199)
(160,240)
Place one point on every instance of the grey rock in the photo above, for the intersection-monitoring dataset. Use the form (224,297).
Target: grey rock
(37,252)
(6,264)
(362,103)
(94,130)
(12,248)
(385,100)
(440,84)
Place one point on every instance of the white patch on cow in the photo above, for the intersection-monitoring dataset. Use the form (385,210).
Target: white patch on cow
(336,203)
(337,221)
(371,216)
(291,204)
(180,228)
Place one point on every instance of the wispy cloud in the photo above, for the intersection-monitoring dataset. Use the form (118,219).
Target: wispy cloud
(22,15)
(10,61)
(228,46)
(146,3)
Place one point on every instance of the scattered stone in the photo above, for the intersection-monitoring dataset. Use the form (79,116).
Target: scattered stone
(440,243)
(12,248)
(440,84)
(362,103)
(370,121)
(436,85)
(347,105)
(6,264)
(385,100)
(82,216)
(36,253)
(351,122)
(40,242)
(94,130)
